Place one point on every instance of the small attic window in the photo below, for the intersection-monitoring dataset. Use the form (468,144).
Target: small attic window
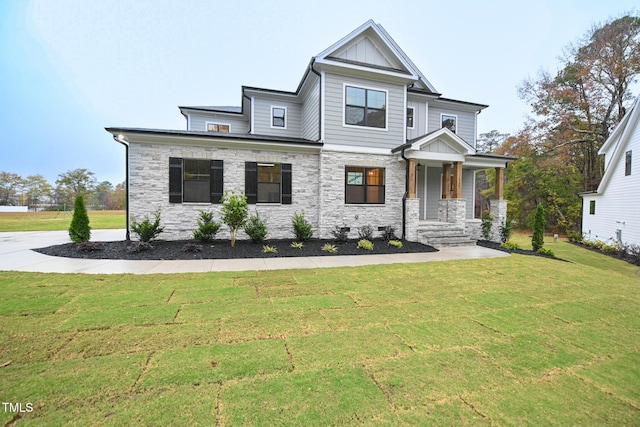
(450,122)
(627,163)
(279,117)
(218,127)
(410,116)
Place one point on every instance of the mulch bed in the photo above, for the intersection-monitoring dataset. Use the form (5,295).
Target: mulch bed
(220,249)
(635,260)
(497,247)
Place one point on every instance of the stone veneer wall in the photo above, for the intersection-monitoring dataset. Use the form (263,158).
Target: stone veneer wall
(149,187)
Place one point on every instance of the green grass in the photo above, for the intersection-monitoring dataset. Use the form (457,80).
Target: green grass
(45,221)
(506,341)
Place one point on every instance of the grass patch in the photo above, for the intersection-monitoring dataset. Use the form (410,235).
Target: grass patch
(46,221)
(505,341)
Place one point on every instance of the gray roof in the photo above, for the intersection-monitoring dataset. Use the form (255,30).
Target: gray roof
(220,109)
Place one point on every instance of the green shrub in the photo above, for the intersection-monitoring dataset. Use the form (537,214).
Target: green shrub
(234,213)
(365,244)
(267,249)
(545,251)
(395,243)
(506,230)
(487,223)
(328,247)
(574,236)
(79,230)
(389,233)
(301,227)
(256,228)
(510,246)
(297,245)
(537,241)
(207,227)
(147,230)
(365,232)
(341,234)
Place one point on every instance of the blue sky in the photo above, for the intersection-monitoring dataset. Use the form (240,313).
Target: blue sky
(70,68)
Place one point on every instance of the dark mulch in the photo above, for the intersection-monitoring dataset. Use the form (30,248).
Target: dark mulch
(497,247)
(621,255)
(220,249)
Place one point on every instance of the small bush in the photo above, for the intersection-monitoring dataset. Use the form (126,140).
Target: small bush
(136,247)
(297,245)
(509,245)
(574,236)
(328,247)
(234,213)
(191,247)
(301,227)
(341,234)
(389,233)
(365,232)
(632,253)
(256,228)
(147,230)
(395,243)
(90,246)
(79,230)
(487,223)
(267,249)
(545,251)
(207,227)
(365,244)
(506,230)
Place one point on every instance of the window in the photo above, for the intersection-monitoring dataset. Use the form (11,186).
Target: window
(627,164)
(365,107)
(218,127)
(449,122)
(195,180)
(364,185)
(278,117)
(410,113)
(592,207)
(268,182)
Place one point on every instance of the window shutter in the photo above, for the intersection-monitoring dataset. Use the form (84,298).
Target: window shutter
(251,182)
(175,180)
(216,178)
(286,184)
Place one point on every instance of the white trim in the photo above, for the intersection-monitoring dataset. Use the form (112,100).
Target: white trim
(285,117)
(206,126)
(252,114)
(475,131)
(450,115)
(473,195)
(188,121)
(344,107)
(323,93)
(355,149)
(426,182)
(413,115)
(426,118)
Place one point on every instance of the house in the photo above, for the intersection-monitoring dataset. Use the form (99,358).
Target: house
(612,212)
(365,139)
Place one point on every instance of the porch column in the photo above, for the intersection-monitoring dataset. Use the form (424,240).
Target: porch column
(457,180)
(446,181)
(411,193)
(499,195)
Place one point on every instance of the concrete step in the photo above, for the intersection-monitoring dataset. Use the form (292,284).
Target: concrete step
(448,241)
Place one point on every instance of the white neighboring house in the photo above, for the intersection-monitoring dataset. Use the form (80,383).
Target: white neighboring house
(612,212)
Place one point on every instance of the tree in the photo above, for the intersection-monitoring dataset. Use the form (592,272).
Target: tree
(36,189)
(234,213)
(79,230)
(117,199)
(10,186)
(489,141)
(537,241)
(77,182)
(101,194)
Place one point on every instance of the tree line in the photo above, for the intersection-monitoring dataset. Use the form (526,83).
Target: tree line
(574,112)
(37,193)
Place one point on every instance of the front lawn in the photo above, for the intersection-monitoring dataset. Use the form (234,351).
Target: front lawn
(505,341)
(45,221)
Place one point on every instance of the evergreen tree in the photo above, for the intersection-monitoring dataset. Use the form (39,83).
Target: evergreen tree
(79,230)
(537,241)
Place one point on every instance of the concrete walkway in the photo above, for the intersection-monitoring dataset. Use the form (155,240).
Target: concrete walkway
(16,255)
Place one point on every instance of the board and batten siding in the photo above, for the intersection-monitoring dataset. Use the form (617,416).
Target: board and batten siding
(337,133)
(311,113)
(465,126)
(198,122)
(262,117)
(419,119)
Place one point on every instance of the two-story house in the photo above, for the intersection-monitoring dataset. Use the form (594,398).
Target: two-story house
(365,139)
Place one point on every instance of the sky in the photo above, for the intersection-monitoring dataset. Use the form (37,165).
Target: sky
(70,68)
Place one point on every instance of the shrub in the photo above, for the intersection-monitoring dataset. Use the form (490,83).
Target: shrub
(632,253)
(328,247)
(207,227)
(365,232)
(537,241)
(487,223)
(545,251)
(365,244)
(341,234)
(136,247)
(147,230)
(256,228)
(297,245)
(510,246)
(301,227)
(574,236)
(269,249)
(506,230)
(234,213)
(395,243)
(191,247)
(389,233)
(79,230)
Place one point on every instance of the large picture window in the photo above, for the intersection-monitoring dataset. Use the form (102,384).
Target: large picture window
(195,180)
(268,182)
(364,185)
(365,107)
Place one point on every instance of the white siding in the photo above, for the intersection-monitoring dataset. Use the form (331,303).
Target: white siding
(311,112)
(238,124)
(419,119)
(262,117)
(434,192)
(466,122)
(337,133)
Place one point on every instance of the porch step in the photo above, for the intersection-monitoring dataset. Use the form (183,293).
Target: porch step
(448,241)
(443,234)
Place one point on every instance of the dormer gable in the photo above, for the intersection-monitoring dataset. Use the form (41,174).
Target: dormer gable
(365,51)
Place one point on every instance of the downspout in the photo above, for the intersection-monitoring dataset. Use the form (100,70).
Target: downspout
(406,192)
(313,70)
(250,109)
(120,140)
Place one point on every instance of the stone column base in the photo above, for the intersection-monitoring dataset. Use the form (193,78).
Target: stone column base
(412,217)
(452,210)
(498,209)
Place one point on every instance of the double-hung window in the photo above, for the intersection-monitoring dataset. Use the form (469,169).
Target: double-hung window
(365,107)
(278,117)
(410,117)
(364,185)
(195,180)
(268,182)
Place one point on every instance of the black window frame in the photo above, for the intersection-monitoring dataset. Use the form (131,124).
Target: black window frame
(411,118)
(252,183)
(627,163)
(366,108)
(177,180)
(592,207)
(356,191)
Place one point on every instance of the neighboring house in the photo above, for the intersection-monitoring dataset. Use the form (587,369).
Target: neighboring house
(612,212)
(365,139)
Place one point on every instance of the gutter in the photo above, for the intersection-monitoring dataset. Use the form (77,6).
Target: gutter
(119,140)
(406,193)
(314,71)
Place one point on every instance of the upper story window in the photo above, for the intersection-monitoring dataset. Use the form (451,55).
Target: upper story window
(410,117)
(365,107)
(364,185)
(627,163)
(218,127)
(592,207)
(279,117)
(449,121)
